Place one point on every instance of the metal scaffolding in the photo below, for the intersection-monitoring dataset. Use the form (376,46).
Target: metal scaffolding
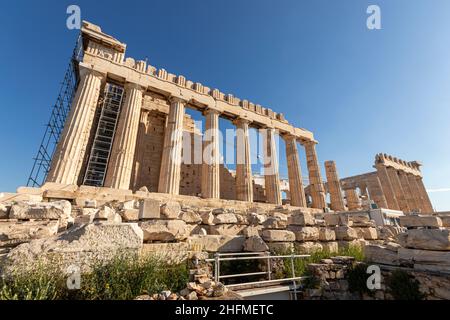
(55,125)
(104,136)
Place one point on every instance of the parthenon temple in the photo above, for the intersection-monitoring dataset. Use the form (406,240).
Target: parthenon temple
(128,129)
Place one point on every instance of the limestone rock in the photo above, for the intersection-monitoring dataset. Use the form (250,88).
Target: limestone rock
(129,205)
(252,231)
(367,233)
(278,235)
(275,223)
(330,246)
(255,218)
(381,254)
(16,232)
(215,243)
(308,247)
(4,211)
(80,246)
(345,233)
(226,229)
(207,217)
(225,218)
(129,214)
(331,219)
(445,221)
(301,219)
(428,239)
(170,210)
(426,257)
(149,209)
(415,221)
(255,244)
(164,230)
(327,234)
(108,214)
(281,247)
(242,219)
(190,216)
(56,210)
(305,233)
(83,219)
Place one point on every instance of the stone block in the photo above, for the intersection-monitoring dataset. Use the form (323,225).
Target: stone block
(331,219)
(428,239)
(107,214)
(215,243)
(57,210)
(4,211)
(226,229)
(307,247)
(381,254)
(252,231)
(207,217)
(416,221)
(149,209)
(330,246)
(256,218)
(426,257)
(278,235)
(301,219)
(164,230)
(445,221)
(345,233)
(190,216)
(129,214)
(13,233)
(281,247)
(225,218)
(327,234)
(171,210)
(367,233)
(255,244)
(305,233)
(275,223)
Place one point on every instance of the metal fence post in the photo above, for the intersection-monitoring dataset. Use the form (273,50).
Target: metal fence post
(217,267)
(293,276)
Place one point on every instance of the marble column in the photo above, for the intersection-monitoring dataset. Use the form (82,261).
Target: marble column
(315,178)
(353,201)
(71,149)
(120,166)
(408,192)
(388,189)
(427,205)
(334,187)
(210,183)
(415,192)
(170,173)
(244,179)
(376,192)
(271,169)
(398,189)
(296,190)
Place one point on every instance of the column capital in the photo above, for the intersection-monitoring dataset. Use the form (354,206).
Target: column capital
(289,137)
(211,111)
(84,71)
(175,99)
(238,121)
(308,142)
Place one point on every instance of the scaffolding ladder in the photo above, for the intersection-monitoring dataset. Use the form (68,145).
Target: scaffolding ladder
(104,136)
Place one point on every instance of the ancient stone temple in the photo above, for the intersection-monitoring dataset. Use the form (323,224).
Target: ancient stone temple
(396,184)
(127,129)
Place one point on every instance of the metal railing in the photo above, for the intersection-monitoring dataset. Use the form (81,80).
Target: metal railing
(220,257)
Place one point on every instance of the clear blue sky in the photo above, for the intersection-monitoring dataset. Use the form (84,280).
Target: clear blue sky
(361,92)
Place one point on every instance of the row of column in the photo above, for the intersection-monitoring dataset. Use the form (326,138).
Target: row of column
(71,150)
(404,191)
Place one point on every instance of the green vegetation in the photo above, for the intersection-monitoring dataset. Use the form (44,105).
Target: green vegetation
(123,278)
(357,280)
(403,286)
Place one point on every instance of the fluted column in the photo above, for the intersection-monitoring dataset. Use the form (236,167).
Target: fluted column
(427,205)
(271,169)
(315,178)
(297,192)
(398,189)
(353,201)
(210,183)
(70,152)
(120,166)
(388,189)
(170,173)
(415,192)
(376,192)
(244,179)
(408,192)
(334,187)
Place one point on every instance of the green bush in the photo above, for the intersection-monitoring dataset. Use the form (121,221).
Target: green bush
(357,280)
(123,278)
(403,286)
